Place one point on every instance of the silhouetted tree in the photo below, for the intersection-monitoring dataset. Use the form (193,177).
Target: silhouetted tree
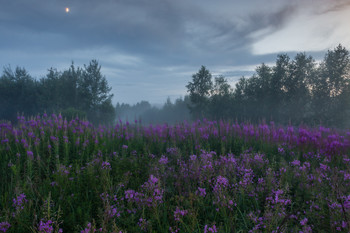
(19,94)
(296,86)
(331,94)
(84,92)
(280,73)
(263,91)
(240,99)
(221,99)
(199,91)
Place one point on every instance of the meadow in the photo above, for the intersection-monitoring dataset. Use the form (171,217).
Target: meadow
(204,176)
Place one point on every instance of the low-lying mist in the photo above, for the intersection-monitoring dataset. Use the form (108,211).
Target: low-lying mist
(144,113)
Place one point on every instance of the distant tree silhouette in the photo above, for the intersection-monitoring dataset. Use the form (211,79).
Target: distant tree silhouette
(199,91)
(75,90)
(292,91)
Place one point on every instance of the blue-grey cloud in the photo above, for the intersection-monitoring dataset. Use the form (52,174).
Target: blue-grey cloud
(147,48)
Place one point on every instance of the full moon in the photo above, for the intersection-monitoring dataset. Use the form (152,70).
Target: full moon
(67,9)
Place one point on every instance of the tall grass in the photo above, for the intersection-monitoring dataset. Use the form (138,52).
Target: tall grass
(206,176)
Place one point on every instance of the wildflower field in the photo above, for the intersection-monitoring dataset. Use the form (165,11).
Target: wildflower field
(205,176)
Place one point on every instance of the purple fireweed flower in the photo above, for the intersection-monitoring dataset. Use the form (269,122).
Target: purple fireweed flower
(129,194)
(261,181)
(133,196)
(346,176)
(153,193)
(278,199)
(259,158)
(106,165)
(63,170)
(324,167)
(335,205)
(303,222)
(178,214)
(143,224)
(163,160)
(4,226)
(344,224)
(86,143)
(175,230)
(54,183)
(104,196)
(125,147)
(4,141)
(210,229)
(37,141)
(202,192)
(30,154)
(347,202)
(31,135)
(221,183)
(19,201)
(89,229)
(277,194)
(53,138)
(281,150)
(153,179)
(171,151)
(113,211)
(283,170)
(295,163)
(25,144)
(45,227)
(193,157)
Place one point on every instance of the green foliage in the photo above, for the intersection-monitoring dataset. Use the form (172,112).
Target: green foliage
(293,91)
(220,99)
(18,93)
(188,177)
(199,91)
(75,91)
(331,88)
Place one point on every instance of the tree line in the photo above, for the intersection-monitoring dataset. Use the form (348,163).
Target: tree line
(170,112)
(76,91)
(293,91)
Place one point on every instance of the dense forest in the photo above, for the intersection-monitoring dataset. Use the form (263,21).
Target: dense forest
(82,92)
(290,92)
(293,91)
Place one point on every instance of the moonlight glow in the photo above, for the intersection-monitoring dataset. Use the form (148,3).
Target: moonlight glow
(67,9)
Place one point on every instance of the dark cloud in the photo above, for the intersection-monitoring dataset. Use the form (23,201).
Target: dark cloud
(335,6)
(155,28)
(141,44)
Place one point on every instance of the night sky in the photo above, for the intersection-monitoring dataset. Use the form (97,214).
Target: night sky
(148,49)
